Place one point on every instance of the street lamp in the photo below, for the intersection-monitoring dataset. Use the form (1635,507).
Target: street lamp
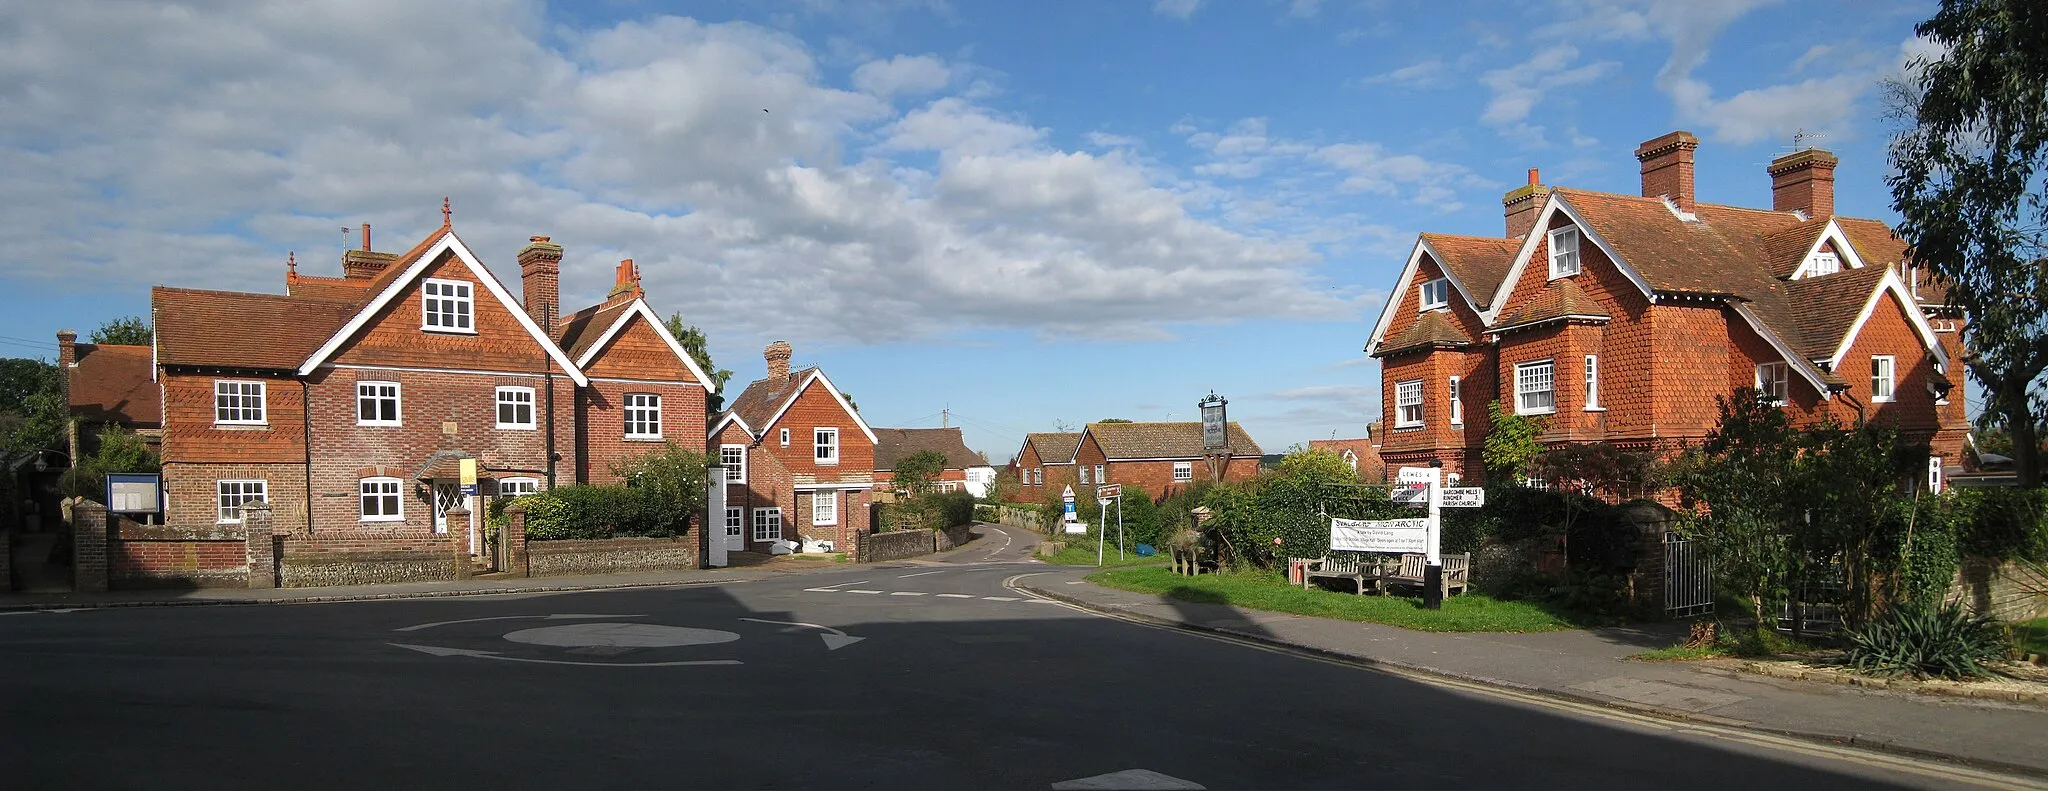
(44,466)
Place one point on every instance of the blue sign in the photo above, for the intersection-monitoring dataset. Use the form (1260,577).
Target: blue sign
(135,492)
(469,490)
(1070,507)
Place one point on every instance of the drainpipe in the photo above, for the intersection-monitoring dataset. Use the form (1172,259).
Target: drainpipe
(306,413)
(548,376)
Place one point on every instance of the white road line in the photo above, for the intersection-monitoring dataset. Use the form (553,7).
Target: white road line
(871,593)
(1040,601)
(821,590)
(840,585)
(999,598)
(921,573)
(1006,542)
(956,596)
(907,593)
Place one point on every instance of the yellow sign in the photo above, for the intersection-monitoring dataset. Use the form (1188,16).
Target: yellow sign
(468,472)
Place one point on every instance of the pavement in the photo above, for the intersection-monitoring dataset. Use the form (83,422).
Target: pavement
(976,668)
(1593,665)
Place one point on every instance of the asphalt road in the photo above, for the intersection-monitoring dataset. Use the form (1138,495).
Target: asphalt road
(955,681)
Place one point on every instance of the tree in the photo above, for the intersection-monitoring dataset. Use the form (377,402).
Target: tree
(673,478)
(693,341)
(124,331)
(32,408)
(1744,472)
(917,472)
(1970,179)
(1112,420)
(119,450)
(1581,472)
(1511,444)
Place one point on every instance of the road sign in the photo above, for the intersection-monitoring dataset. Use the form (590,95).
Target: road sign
(1068,495)
(1380,535)
(1463,497)
(1413,495)
(1109,490)
(1420,475)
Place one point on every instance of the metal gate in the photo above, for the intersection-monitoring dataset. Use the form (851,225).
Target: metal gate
(1688,581)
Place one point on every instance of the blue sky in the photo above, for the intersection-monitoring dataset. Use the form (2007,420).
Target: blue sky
(1029,214)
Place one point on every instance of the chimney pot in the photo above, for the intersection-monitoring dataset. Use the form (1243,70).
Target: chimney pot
(1533,178)
(1523,204)
(366,237)
(1667,168)
(1804,181)
(777,354)
(540,282)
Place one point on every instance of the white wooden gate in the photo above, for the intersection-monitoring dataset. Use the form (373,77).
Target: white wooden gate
(1688,581)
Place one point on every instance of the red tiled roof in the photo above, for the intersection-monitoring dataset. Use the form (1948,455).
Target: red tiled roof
(1828,306)
(1165,440)
(1430,329)
(1054,447)
(584,327)
(112,384)
(1786,247)
(1559,299)
(1479,263)
(895,444)
(232,329)
(763,398)
(332,289)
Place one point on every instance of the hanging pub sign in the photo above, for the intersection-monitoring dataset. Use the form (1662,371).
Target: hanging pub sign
(1215,436)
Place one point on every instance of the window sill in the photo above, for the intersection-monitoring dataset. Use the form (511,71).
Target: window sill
(824,524)
(241,426)
(1596,409)
(1876,400)
(1536,412)
(825,464)
(515,427)
(634,438)
(381,519)
(1413,427)
(228,522)
(447,331)
(379,424)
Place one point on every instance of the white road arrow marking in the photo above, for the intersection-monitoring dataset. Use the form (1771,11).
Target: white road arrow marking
(1129,779)
(921,574)
(834,639)
(555,617)
(440,651)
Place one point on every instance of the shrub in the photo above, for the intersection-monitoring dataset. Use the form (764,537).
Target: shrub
(581,511)
(671,483)
(1945,642)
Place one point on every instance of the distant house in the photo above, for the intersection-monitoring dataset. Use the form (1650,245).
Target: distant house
(1045,464)
(1161,457)
(108,385)
(1362,454)
(965,469)
(799,461)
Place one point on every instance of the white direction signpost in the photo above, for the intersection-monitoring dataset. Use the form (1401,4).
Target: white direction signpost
(1103,495)
(1462,497)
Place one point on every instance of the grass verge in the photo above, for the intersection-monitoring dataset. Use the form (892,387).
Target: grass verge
(1469,612)
(1754,644)
(1078,555)
(2033,636)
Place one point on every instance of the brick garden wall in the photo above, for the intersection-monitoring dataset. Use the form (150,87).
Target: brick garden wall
(895,546)
(160,556)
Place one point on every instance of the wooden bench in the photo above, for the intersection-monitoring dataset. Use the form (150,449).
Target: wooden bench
(1359,570)
(1456,568)
(1383,572)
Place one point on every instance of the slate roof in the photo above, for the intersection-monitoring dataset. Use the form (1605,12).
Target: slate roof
(233,329)
(763,397)
(1430,329)
(895,444)
(1054,447)
(112,384)
(1559,299)
(1165,440)
(1479,263)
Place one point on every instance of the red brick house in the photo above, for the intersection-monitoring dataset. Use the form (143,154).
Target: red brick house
(799,461)
(1161,457)
(963,470)
(1362,454)
(1045,464)
(107,385)
(350,404)
(1622,317)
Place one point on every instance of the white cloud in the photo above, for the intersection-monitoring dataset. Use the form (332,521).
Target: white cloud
(903,74)
(193,145)
(1304,9)
(1425,74)
(1813,55)
(1519,88)
(1247,150)
(1178,9)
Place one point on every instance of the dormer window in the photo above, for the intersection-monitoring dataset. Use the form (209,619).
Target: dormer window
(447,306)
(1436,294)
(1823,264)
(1564,252)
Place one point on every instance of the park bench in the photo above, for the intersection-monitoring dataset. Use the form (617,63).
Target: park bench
(1456,569)
(1359,570)
(1383,572)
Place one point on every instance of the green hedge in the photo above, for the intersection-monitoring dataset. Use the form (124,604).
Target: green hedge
(582,511)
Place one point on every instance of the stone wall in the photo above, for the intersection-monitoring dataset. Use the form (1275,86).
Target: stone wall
(952,538)
(319,569)
(2005,591)
(895,545)
(610,556)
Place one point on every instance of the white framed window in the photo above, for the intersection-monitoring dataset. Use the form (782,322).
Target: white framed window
(1183,471)
(1084,475)
(767,524)
(735,521)
(381,502)
(824,508)
(1940,395)
(1823,263)
(1592,382)
(734,459)
(518,487)
(232,494)
(1038,476)
(1099,477)
(377,404)
(1564,252)
(238,403)
(1534,394)
(785,438)
(447,306)
(1772,380)
(1408,403)
(1351,459)
(515,408)
(1457,405)
(1934,480)
(1882,370)
(643,416)
(1436,294)
(825,446)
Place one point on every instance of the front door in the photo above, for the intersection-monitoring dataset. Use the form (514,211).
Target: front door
(448,496)
(735,529)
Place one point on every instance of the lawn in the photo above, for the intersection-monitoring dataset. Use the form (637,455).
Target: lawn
(1078,555)
(2033,636)
(1469,612)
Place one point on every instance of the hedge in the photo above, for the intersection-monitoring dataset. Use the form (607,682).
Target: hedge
(582,511)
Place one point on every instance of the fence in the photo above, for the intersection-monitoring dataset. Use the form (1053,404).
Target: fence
(1688,581)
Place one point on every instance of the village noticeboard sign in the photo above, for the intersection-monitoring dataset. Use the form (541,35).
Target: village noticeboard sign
(1379,535)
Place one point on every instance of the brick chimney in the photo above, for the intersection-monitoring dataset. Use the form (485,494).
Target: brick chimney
(1523,204)
(625,285)
(777,355)
(540,281)
(1667,168)
(1804,181)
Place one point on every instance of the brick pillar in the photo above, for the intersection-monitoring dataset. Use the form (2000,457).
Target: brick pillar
(458,542)
(88,547)
(257,545)
(514,536)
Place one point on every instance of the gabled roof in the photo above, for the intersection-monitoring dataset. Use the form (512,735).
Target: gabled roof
(764,401)
(1430,329)
(332,289)
(896,444)
(408,269)
(1828,307)
(587,343)
(580,330)
(115,384)
(1788,248)
(1054,447)
(1124,441)
(1477,263)
(233,329)
(1560,299)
